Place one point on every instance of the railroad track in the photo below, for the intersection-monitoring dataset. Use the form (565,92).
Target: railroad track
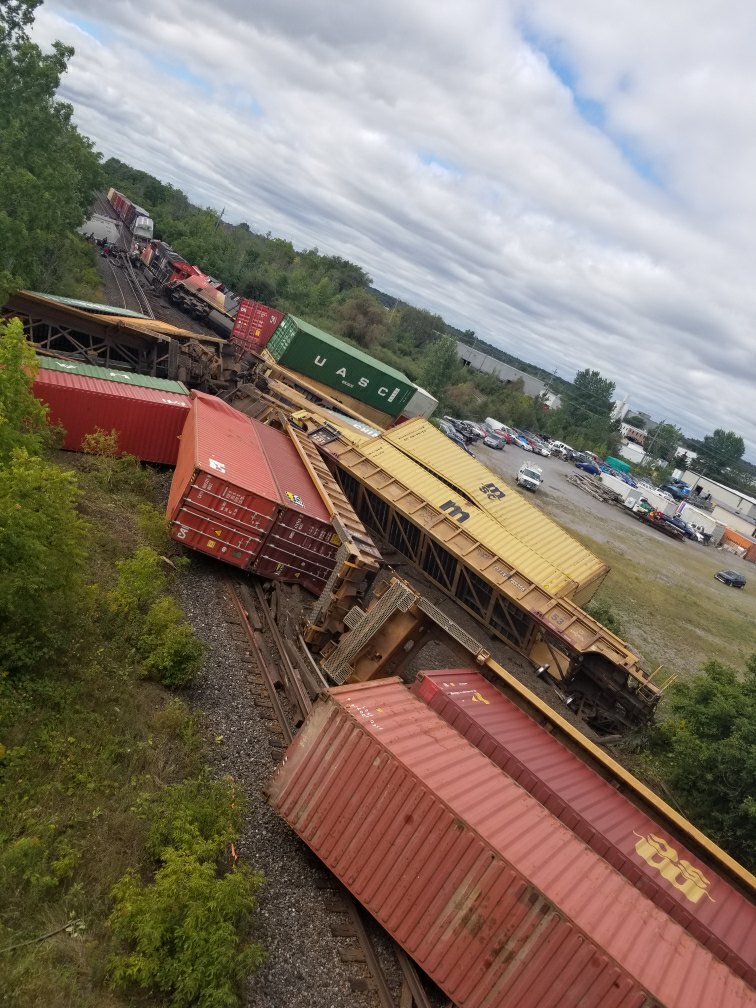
(288,678)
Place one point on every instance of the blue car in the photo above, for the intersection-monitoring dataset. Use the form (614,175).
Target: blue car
(589,467)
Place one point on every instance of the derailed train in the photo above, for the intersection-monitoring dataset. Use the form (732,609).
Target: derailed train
(540,872)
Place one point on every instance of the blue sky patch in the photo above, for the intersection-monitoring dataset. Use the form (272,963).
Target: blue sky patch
(181,72)
(433,160)
(94,28)
(591,111)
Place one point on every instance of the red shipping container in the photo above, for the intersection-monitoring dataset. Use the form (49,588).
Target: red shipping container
(148,420)
(241,493)
(255,323)
(493,897)
(302,544)
(223,500)
(640,849)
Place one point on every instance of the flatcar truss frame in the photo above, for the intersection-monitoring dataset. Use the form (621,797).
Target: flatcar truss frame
(596,666)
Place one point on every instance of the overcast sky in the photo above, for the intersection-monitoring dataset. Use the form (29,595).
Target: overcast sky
(574,181)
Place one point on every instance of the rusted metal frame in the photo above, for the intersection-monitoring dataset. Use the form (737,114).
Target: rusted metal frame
(431,546)
(402,534)
(266,672)
(295,688)
(500,605)
(412,982)
(465,573)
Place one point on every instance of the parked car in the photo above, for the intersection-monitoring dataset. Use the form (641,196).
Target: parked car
(560,449)
(685,528)
(495,440)
(538,446)
(522,442)
(465,428)
(678,491)
(452,433)
(730,577)
(530,477)
(588,466)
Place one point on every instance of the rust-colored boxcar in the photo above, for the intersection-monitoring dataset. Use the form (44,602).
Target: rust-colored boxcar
(254,324)
(241,493)
(493,897)
(223,500)
(642,850)
(302,544)
(147,413)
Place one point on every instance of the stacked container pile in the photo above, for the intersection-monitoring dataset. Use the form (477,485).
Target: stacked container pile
(496,899)
(649,854)
(241,493)
(147,413)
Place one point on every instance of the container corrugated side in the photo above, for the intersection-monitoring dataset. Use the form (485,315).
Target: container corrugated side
(491,895)
(254,325)
(148,421)
(424,443)
(223,499)
(112,375)
(302,544)
(319,355)
(640,849)
(472,522)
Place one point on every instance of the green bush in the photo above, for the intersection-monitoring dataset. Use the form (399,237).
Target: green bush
(200,816)
(604,613)
(171,652)
(142,579)
(185,932)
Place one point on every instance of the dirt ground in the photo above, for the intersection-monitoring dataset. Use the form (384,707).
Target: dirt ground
(672,610)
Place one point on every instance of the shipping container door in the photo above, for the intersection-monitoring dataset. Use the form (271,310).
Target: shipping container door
(299,549)
(222,520)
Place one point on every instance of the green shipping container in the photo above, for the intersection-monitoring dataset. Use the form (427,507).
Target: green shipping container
(618,464)
(112,374)
(316,354)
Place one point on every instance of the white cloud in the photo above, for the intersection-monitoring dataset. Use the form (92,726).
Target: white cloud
(449,150)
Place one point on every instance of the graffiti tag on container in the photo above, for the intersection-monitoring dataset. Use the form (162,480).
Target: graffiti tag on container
(687,879)
(295,499)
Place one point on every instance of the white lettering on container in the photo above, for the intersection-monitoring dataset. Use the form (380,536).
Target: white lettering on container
(320,361)
(393,395)
(342,372)
(214,464)
(363,382)
(382,391)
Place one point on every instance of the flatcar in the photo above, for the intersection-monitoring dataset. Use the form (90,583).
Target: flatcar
(136,218)
(523,597)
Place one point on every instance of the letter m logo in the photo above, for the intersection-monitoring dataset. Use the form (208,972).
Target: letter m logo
(455,511)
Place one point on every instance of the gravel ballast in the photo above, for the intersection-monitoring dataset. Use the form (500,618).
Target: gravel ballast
(292,922)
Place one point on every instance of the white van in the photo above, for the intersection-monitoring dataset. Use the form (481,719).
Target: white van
(530,477)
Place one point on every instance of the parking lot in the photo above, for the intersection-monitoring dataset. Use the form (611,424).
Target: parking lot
(671,609)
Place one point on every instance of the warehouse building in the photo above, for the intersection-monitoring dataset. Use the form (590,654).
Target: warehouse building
(508,375)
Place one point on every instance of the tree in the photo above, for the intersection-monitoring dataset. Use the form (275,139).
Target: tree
(418,328)
(705,750)
(362,318)
(585,416)
(48,170)
(42,561)
(664,441)
(23,418)
(720,451)
(635,421)
(440,366)
(591,397)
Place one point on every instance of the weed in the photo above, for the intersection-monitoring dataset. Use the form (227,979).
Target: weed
(183,931)
(170,650)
